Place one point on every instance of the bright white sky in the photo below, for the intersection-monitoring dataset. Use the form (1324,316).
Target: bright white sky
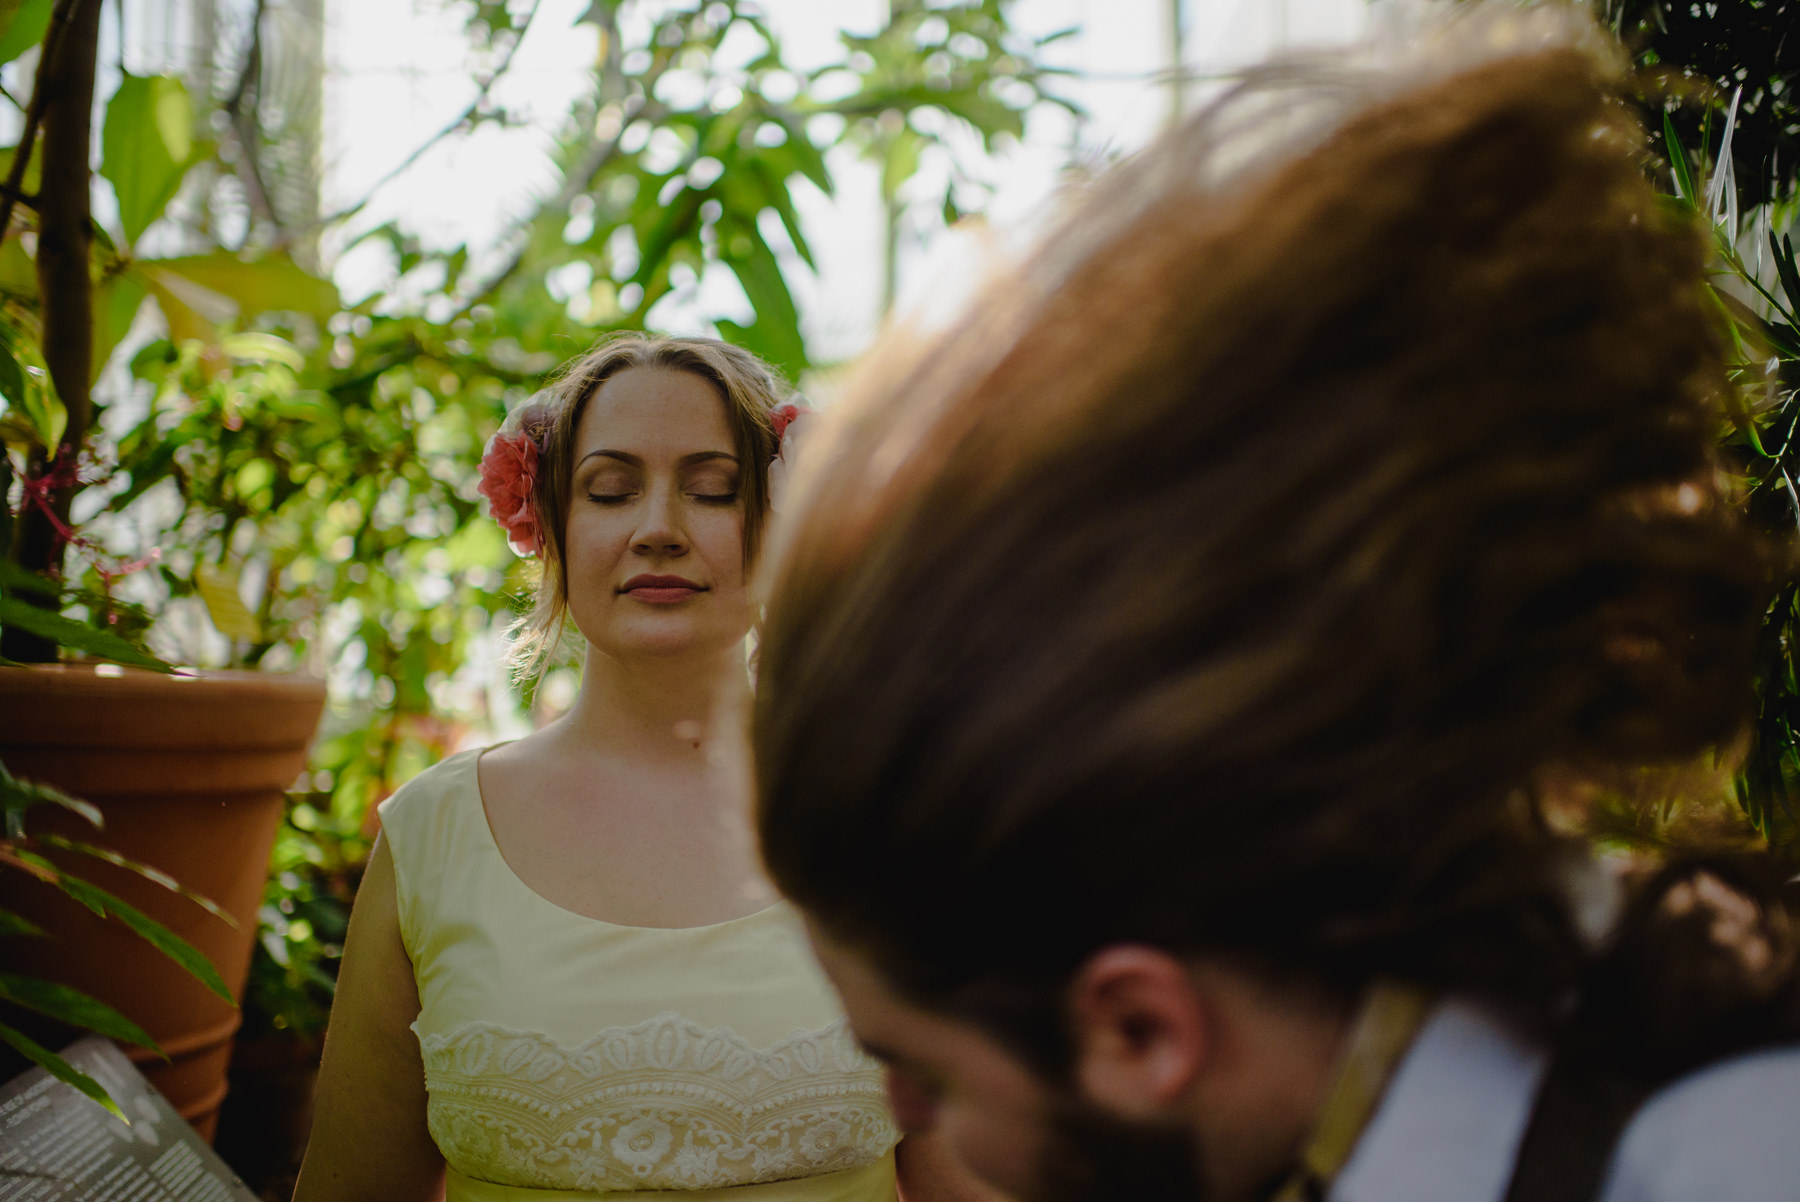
(398,72)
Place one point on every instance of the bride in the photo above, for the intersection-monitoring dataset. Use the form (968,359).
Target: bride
(565,971)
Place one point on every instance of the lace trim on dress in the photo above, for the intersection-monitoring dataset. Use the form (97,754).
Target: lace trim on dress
(664,1104)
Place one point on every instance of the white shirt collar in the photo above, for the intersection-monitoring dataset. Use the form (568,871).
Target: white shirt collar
(1450,1124)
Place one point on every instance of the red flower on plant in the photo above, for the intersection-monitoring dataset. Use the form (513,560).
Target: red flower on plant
(508,478)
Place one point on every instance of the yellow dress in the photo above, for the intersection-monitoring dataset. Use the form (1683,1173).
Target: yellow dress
(569,1058)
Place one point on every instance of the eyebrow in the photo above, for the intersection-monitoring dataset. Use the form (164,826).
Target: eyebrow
(638,460)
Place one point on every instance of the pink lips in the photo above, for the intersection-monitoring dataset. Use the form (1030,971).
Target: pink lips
(661,590)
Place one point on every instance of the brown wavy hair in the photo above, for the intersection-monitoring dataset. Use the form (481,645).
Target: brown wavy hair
(1232,578)
(748,387)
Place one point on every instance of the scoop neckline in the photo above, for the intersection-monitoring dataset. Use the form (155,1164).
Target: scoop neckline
(493,845)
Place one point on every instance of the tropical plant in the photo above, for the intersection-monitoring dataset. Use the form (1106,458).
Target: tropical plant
(1739,55)
(1758,294)
(22,851)
(70,294)
(101,626)
(1722,96)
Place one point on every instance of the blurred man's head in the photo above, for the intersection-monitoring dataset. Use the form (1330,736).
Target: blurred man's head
(1180,644)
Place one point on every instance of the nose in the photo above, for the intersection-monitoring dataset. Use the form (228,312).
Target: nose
(659,530)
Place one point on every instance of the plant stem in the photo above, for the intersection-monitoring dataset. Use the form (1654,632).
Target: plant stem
(890,253)
(34,113)
(1177,40)
(65,86)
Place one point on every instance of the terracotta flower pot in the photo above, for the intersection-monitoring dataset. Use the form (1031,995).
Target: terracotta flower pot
(189,773)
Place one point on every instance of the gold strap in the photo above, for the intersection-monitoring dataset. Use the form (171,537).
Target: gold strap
(1385,1026)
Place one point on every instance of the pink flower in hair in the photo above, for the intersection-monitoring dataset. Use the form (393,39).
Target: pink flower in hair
(509,476)
(791,421)
(783,415)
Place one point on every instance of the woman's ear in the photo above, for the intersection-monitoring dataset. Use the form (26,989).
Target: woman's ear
(1140,1029)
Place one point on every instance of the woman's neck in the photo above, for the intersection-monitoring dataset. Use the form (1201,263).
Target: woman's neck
(653,708)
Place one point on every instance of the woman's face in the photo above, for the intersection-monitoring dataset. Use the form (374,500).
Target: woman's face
(655,536)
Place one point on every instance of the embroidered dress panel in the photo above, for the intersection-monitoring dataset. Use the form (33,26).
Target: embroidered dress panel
(662,1105)
(585,1059)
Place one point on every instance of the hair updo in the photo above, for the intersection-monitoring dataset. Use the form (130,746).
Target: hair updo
(1231,578)
(748,388)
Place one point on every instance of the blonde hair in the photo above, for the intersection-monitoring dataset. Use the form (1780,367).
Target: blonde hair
(748,388)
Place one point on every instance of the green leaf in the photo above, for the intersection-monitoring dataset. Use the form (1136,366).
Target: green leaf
(155,933)
(1787,269)
(253,346)
(219,589)
(147,146)
(18,926)
(270,285)
(18,272)
(26,22)
(44,410)
(59,1068)
(679,220)
(900,163)
(1744,421)
(71,1006)
(776,333)
(12,376)
(17,796)
(775,192)
(1684,176)
(810,158)
(190,311)
(16,579)
(31,862)
(1784,338)
(36,412)
(1745,319)
(116,304)
(155,876)
(76,636)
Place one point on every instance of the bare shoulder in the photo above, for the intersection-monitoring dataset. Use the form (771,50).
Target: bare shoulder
(521,765)
(522,753)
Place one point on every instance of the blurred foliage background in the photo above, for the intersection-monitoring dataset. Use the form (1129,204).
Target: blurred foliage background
(1702,56)
(1721,100)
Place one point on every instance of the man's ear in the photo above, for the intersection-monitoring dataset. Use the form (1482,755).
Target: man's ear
(1140,1028)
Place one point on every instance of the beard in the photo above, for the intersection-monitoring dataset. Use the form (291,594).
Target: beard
(1093,1156)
